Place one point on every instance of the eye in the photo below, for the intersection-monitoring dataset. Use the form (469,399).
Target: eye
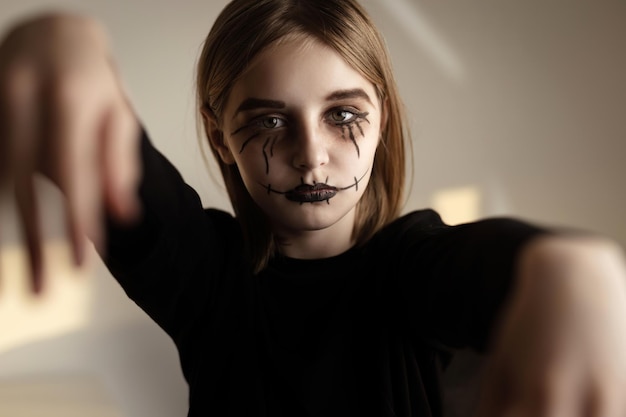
(342,116)
(272,122)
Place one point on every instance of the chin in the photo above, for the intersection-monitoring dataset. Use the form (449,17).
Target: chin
(307,217)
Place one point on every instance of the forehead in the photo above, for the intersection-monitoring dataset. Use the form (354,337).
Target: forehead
(297,70)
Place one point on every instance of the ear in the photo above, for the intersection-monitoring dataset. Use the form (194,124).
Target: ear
(216,136)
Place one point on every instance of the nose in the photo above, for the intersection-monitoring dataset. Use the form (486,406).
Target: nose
(310,149)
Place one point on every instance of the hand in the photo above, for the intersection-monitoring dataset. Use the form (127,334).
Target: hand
(64,114)
(561,350)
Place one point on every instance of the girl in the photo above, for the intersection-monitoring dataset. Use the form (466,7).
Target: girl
(317,298)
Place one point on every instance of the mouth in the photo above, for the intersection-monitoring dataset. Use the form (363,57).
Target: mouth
(307,193)
(313,193)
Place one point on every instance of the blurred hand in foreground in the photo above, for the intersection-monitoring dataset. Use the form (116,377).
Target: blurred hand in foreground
(64,114)
(561,348)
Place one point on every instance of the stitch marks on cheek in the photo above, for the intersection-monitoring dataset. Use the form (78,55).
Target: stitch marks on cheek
(349,128)
(269,142)
(247,141)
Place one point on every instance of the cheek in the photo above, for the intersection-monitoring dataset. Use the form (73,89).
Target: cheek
(256,157)
(252,166)
(358,143)
(261,168)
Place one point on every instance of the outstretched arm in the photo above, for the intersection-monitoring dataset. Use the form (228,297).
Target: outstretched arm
(560,349)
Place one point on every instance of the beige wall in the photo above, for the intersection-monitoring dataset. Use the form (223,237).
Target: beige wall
(516,108)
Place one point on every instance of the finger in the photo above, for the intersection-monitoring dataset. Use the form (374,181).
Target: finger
(606,401)
(27,208)
(80,177)
(20,123)
(5,160)
(73,163)
(121,164)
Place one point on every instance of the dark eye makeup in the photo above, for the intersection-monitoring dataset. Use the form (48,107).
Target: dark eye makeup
(271,122)
(261,122)
(340,116)
(350,120)
(346,118)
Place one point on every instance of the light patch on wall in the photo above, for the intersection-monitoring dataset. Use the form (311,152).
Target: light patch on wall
(63,307)
(458,205)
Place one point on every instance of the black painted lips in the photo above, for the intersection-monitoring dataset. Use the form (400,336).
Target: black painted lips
(306,193)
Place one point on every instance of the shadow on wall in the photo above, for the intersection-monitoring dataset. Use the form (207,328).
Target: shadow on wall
(130,359)
(82,331)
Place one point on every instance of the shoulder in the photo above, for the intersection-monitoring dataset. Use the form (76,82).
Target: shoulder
(424,230)
(224,223)
(424,222)
(424,219)
(221,217)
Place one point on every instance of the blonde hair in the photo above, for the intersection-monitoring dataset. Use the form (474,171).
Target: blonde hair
(245,28)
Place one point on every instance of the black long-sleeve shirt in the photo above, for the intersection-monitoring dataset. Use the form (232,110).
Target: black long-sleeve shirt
(359,334)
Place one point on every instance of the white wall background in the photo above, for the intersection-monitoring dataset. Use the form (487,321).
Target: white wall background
(517,108)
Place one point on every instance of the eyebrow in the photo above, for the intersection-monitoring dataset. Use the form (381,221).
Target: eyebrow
(252,103)
(347,94)
(259,103)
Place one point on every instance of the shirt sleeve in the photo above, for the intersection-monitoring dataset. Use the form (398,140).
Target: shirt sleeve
(171,261)
(456,278)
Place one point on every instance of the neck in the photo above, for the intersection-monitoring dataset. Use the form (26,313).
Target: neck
(316,244)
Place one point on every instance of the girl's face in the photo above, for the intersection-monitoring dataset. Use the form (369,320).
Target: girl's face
(303,127)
